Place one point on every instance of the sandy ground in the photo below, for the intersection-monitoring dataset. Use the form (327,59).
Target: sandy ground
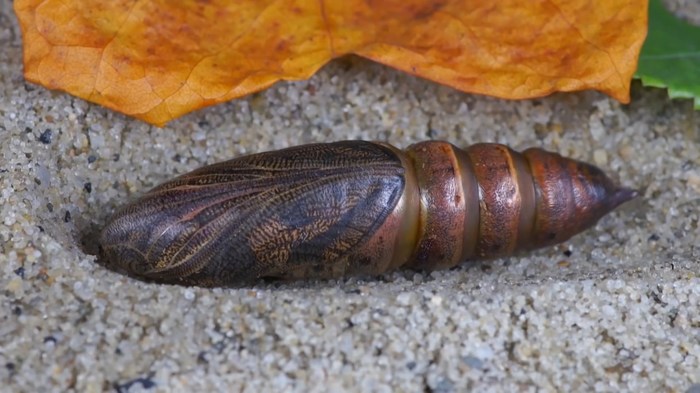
(614,309)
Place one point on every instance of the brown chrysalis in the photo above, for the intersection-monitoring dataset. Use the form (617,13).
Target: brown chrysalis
(354,208)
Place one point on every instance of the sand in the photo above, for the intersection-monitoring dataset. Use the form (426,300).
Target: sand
(613,309)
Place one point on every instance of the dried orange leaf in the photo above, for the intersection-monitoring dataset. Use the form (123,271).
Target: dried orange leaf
(159,59)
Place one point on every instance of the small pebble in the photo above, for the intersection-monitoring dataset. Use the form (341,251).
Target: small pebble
(46,136)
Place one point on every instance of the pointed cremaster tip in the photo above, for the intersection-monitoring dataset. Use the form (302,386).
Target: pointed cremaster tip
(622,195)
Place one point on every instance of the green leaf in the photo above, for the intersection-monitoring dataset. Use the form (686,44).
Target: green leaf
(670,56)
